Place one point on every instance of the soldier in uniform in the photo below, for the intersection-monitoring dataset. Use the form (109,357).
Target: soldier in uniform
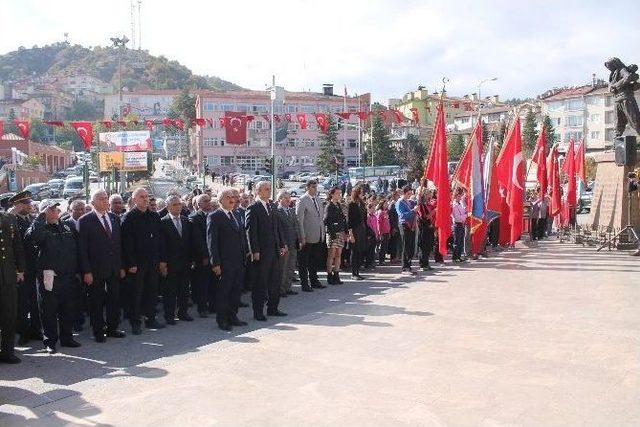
(57,268)
(11,272)
(28,322)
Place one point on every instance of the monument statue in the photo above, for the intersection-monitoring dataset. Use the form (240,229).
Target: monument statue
(623,82)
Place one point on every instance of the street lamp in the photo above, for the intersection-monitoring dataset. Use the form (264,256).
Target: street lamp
(120,43)
(492,79)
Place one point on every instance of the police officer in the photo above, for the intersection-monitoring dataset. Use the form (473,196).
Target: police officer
(11,272)
(28,323)
(57,267)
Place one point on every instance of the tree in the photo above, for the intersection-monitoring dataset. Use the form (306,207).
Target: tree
(10,124)
(413,157)
(552,138)
(39,132)
(455,147)
(67,136)
(83,110)
(502,133)
(331,156)
(184,106)
(529,133)
(383,153)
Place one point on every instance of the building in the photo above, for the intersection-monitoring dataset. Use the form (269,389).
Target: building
(84,87)
(22,109)
(582,112)
(297,151)
(146,104)
(492,117)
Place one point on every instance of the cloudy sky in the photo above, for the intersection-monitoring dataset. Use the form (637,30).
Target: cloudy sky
(383,47)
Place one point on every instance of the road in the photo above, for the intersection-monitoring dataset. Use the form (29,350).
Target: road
(543,335)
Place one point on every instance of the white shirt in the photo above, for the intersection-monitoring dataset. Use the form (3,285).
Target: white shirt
(459,211)
(264,204)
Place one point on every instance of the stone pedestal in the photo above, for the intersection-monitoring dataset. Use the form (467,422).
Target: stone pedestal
(610,197)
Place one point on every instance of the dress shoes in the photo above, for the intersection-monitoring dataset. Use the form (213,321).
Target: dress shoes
(116,334)
(100,337)
(171,322)
(238,322)
(70,343)
(136,329)
(260,317)
(276,313)
(154,324)
(225,326)
(357,277)
(307,288)
(11,359)
(185,317)
(51,349)
(292,292)
(318,285)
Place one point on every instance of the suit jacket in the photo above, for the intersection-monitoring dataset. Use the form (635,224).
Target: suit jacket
(226,242)
(99,254)
(141,242)
(177,250)
(310,219)
(289,226)
(198,221)
(263,230)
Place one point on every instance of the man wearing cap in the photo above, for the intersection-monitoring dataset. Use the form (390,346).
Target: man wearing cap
(28,323)
(11,273)
(57,267)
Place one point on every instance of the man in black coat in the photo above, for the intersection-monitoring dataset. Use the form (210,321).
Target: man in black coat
(202,279)
(101,266)
(141,258)
(226,242)
(176,260)
(266,245)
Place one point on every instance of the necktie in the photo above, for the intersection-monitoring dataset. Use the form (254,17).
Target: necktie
(232,218)
(106,225)
(178,224)
(316,205)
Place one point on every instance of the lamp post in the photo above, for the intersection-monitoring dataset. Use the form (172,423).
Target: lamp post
(120,43)
(492,79)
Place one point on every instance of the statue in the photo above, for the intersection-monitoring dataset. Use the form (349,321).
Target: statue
(623,82)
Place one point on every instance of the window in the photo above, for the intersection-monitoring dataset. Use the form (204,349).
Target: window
(352,126)
(608,117)
(595,118)
(213,160)
(291,142)
(226,160)
(574,121)
(609,135)
(575,104)
(291,108)
(242,108)
(595,100)
(227,107)
(209,106)
(259,108)
(576,135)
(557,121)
(607,101)
(595,134)
(352,143)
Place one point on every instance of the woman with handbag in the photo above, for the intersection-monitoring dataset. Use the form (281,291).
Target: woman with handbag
(336,225)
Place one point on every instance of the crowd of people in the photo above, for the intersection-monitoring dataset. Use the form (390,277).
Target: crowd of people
(109,261)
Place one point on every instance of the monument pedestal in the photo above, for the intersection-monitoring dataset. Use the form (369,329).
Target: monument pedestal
(609,206)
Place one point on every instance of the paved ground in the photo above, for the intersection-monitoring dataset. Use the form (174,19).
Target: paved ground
(544,336)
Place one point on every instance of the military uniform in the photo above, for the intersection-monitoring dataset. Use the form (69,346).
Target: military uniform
(11,262)
(57,251)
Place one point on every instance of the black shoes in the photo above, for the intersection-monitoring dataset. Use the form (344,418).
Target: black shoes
(318,285)
(154,324)
(70,343)
(225,326)
(116,333)
(283,295)
(100,337)
(51,349)
(238,322)
(260,317)
(185,317)
(333,278)
(10,359)
(357,276)
(243,304)
(171,322)
(290,292)
(306,288)
(276,313)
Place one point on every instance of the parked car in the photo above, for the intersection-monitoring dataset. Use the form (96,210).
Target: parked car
(56,185)
(73,187)
(39,191)
(584,202)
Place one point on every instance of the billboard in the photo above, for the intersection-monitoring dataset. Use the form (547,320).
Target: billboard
(108,160)
(135,161)
(138,140)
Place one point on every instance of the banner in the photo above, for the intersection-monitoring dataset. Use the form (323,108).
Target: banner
(108,160)
(135,161)
(139,140)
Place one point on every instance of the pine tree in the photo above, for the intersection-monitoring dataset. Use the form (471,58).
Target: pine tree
(331,156)
(383,152)
(550,131)
(455,147)
(529,133)
(502,134)
(413,157)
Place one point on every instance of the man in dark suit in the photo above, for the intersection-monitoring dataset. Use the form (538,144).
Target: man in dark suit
(202,279)
(141,256)
(176,260)
(267,246)
(228,250)
(101,266)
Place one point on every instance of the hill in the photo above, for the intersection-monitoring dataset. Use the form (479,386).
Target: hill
(140,70)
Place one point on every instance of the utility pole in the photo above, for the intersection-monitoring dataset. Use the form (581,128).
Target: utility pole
(121,45)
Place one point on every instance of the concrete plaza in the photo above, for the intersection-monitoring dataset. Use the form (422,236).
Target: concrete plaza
(546,335)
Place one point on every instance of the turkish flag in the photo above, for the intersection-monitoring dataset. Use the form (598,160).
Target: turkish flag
(85,132)
(107,124)
(569,167)
(398,116)
(167,122)
(437,171)
(302,119)
(178,123)
(200,122)
(236,128)
(249,118)
(323,124)
(362,115)
(266,117)
(344,115)
(122,123)
(553,179)
(54,123)
(23,128)
(209,122)
(149,124)
(510,168)
(287,117)
(581,171)
(223,121)
(540,159)
(414,115)
(276,118)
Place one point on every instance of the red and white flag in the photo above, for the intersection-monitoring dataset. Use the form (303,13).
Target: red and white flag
(553,178)
(569,168)
(414,115)
(149,124)
(510,169)
(581,171)
(23,128)
(540,159)
(236,128)
(302,120)
(85,132)
(323,124)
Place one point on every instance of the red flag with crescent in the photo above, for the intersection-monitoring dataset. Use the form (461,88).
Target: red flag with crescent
(510,168)
(236,128)
(344,115)
(85,132)
(302,119)
(539,157)
(398,116)
(23,128)
(581,171)
(149,124)
(287,117)
(323,124)
(55,123)
(122,123)
(209,122)
(178,123)
(200,122)
(553,177)
(249,118)
(107,124)
(414,115)
(276,118)
(266,117)
(167,122)
(223,121)
(362,115)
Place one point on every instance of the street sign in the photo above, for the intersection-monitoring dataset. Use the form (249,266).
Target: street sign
(135,161)
(109,160)
(139,140)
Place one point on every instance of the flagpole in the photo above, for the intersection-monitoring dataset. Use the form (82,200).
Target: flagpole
(273,138)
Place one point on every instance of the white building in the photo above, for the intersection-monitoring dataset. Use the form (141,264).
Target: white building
(147,104)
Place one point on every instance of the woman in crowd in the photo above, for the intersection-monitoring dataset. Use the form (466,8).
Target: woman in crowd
(384,229)
(373,235)
(425,226)
(357,213)
(336,225)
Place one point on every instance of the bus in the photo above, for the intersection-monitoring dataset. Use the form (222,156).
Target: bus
(372,173)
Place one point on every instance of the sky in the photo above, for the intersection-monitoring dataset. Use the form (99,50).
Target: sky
(387,48)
